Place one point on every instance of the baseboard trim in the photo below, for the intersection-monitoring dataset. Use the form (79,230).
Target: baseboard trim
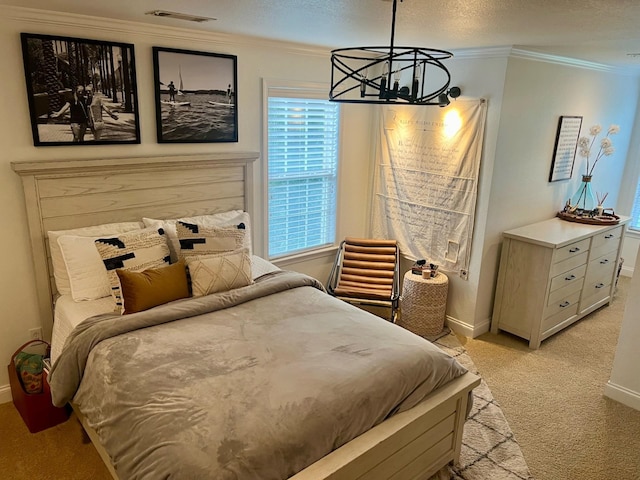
(463,328)
(627,271)
(623,395)
(5,394)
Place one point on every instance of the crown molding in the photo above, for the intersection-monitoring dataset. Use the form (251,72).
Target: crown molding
(482,52)
(572,62)
(560,60)
(519,52)
(159,33)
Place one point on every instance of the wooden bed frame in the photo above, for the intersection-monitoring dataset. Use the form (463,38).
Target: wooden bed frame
(70,194)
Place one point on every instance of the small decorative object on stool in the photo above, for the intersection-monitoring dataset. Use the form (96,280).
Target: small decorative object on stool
(418,267)
(423,303)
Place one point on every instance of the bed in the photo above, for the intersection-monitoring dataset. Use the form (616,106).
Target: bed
(412,436)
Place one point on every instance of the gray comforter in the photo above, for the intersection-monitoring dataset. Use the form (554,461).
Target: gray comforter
(256,383)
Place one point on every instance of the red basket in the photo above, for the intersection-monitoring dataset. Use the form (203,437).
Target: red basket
(36,409)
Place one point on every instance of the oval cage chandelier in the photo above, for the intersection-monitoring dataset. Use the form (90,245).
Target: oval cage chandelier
(384,75)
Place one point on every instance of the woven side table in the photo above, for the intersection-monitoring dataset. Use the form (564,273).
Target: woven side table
(423,303)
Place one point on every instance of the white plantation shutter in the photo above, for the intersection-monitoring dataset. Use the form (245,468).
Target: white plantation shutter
(302,138)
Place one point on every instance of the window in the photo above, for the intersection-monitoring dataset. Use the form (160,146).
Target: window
(302,163)
(634,224)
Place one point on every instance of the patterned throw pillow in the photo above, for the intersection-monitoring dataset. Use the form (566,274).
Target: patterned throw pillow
(197,240)
(215,220)
(133,251)
(220,272)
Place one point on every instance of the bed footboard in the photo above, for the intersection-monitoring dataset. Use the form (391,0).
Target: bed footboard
(410,445)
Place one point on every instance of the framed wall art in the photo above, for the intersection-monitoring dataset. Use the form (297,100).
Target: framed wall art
(564,151)
(196,96)
(80,91)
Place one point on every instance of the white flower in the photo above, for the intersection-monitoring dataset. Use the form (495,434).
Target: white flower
(606,145)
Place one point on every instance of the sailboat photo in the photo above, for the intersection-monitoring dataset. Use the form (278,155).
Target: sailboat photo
(198,104)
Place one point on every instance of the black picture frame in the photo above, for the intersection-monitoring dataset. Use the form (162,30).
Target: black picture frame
(204,104)
(564,150)
(57,68)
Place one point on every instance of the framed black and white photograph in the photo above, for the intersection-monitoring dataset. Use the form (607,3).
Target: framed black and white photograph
(564,151)
(80,91)
(196,96)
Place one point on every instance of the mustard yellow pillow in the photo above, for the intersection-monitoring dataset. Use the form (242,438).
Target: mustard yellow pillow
(153,287)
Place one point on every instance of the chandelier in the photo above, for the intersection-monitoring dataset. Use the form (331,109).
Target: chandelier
(386,75)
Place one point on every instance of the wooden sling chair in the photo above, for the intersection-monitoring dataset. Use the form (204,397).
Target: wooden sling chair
(365,272)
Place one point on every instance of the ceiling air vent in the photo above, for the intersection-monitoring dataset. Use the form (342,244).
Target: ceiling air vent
(179,16)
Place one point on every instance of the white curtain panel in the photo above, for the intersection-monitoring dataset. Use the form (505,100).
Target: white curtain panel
(426,180)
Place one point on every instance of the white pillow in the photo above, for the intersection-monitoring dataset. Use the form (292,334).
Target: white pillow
(224,219)
(59,268)
(87,274)
(260,266)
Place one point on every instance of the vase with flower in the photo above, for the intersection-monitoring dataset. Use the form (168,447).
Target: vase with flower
(584,199)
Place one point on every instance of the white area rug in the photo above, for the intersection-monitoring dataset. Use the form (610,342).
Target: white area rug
(489,449)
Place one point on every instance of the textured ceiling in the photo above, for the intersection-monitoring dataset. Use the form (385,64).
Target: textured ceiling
(603,31)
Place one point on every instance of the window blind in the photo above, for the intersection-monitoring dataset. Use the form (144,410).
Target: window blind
(302,173)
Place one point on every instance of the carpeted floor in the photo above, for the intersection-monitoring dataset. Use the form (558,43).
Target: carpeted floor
(57,453)
(554,402)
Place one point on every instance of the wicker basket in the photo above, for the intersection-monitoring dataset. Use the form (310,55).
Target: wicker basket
(423,304)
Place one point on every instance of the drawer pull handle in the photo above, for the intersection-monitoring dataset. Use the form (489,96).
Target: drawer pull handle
(604,262)
(564,304)
(570,277)
(608,236)
(574,250)
(600,285)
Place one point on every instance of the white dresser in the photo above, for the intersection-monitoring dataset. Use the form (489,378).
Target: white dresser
(553,273)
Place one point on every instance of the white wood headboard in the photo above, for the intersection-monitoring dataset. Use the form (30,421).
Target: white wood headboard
(66,194)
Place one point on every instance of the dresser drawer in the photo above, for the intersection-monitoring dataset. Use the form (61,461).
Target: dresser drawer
(601,270)
(559,295)
(605,250)
(566,313)
(610,237)
(595,287)
(569,264)
(571,250)
(565,278)
(590,300)
(562,304)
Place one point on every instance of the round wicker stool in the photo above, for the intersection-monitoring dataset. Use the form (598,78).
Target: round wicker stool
(423,303)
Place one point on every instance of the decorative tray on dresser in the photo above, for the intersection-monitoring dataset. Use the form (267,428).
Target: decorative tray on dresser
(553,273)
